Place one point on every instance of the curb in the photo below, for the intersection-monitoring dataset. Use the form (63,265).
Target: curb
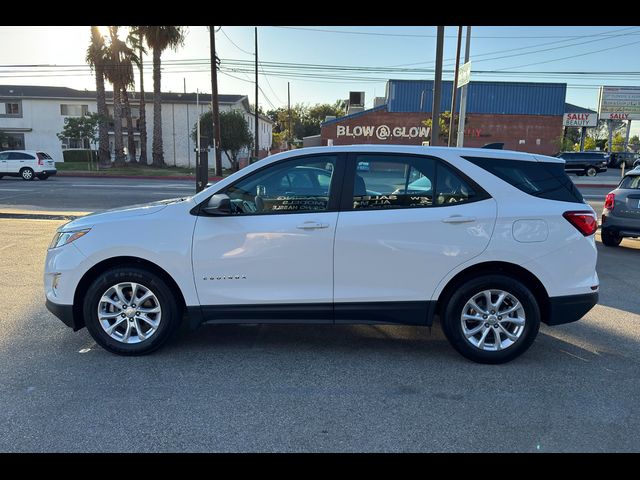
(38,216)
(134,177)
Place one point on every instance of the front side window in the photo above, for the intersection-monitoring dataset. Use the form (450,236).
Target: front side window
(298,185)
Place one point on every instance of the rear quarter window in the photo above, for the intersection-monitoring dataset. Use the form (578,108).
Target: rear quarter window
(631,182)
(540,179)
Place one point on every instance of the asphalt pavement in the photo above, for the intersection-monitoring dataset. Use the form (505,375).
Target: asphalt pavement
(313,388)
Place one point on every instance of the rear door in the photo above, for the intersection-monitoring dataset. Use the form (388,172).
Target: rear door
(19,160)
(404,224)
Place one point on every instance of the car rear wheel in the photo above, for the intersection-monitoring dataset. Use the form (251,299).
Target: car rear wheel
(130,311)
(43,176)
(591,172)
(27,173)
(610,239)
(491,319)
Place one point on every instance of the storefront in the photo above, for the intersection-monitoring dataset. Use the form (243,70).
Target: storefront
(525,116)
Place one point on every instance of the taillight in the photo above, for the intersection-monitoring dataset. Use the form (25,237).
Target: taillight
(610,201)
(40,159)
(584,221)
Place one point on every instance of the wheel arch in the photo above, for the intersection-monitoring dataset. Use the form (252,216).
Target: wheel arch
(122,261)
(504,268)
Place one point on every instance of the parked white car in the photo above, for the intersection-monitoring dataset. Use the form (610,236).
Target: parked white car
(499,242)
(27,164)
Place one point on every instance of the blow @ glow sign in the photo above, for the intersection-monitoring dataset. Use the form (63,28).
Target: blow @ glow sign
(381,132)
(619,103)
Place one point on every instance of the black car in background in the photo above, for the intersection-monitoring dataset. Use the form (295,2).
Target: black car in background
(585,163)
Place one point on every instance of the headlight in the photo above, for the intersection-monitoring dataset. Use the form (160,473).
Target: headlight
(63,238)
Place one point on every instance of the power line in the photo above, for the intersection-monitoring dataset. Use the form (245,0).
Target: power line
(415,35)
(235,45)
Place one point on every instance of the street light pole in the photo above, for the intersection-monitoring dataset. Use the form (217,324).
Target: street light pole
(463,94)
(454,90)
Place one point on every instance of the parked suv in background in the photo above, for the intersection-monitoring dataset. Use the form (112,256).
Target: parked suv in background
(585,163)
(492,242)
(27,164)
(621,214)
(618,158)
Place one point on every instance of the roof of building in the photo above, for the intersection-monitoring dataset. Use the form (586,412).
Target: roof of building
(514,98)
(570,108)
(43,91)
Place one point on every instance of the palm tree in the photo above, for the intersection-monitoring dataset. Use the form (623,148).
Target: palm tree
(119,72)
(97,59)
(159,38)
(136,39)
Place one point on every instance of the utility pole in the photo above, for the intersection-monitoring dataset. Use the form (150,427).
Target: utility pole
(454,90)
(463,93)
(184,80)
(437,89)
(215,111)
(257,139)
(289,110)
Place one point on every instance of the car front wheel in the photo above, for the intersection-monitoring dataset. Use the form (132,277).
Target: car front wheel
(492,319)
(130,311)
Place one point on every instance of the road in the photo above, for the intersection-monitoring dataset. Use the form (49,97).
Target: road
(299,388)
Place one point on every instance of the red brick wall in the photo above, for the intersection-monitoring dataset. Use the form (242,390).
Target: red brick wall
(480,129)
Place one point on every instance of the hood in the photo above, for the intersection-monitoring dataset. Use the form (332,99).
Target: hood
(116,214)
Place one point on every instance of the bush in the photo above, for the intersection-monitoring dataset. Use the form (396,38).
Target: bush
(79,155)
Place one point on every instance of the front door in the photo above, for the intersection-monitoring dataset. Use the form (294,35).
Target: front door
(407,221)
(273,256)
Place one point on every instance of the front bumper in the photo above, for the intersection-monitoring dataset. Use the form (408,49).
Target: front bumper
(64,313)
(570,308)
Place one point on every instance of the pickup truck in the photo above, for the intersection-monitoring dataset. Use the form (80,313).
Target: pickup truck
(585,163)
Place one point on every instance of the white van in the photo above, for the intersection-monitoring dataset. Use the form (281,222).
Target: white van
(26,164)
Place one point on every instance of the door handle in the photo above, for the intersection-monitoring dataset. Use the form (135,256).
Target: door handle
(312,226)
(458,219)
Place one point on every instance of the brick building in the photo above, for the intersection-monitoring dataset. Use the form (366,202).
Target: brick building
(525,116)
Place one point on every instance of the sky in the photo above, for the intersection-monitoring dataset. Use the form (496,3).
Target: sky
(583,57)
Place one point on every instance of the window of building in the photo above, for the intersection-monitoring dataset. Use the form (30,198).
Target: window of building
(10,108)
(69,110)
(14,141)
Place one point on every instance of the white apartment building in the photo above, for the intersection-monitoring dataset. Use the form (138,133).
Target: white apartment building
(33,116)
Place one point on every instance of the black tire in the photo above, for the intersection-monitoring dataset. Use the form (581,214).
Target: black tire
(610,239)
(591,172)
(452,326)
(170,315)
(43,176)
(27,173)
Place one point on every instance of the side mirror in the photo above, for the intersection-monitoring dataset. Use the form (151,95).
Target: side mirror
(219,204)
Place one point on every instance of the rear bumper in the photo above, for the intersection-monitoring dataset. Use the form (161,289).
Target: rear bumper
(47,172)
(570,308)
(64,313)
(623,229)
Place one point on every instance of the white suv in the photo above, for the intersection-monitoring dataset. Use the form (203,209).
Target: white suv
(491,242)
(27,164)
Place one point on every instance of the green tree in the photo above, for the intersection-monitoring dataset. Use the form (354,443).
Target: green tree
(618,143)
(634,143)
(97,58)
(119,71)
(86,126)
(445,118)
(159,38)
(234,133)
(589,143)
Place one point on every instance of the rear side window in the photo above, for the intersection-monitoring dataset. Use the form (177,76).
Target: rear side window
(540,179)
(630,182)
(44,156)
(20,156)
